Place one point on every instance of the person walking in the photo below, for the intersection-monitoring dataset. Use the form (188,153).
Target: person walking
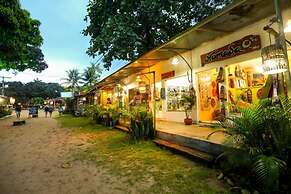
(61,110)
(18,110)
(46,110)
(50,110)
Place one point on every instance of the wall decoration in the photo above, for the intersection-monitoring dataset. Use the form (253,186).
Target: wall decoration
(174,97)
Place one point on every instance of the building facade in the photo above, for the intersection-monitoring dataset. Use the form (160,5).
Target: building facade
(220,57)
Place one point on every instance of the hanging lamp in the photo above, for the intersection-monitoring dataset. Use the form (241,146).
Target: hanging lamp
(273,59)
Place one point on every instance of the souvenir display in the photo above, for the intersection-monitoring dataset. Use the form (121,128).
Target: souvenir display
(222,92)
(213,102)
(231,81)
(220,76)
(208,83)
(258,79)
(214,89)
(174,96)
(260,93)
(249,96)
(245,85)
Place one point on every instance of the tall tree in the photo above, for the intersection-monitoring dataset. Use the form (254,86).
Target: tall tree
(125,29)
(73,79)
(20,39)
(36,89)
(91,75)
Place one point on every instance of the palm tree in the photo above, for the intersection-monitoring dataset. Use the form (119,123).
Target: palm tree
(91,75)
(73,79)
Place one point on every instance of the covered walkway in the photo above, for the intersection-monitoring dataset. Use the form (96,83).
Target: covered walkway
(191,131)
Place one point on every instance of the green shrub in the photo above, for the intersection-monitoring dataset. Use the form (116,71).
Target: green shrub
(108,116)
(4,111)
(141,124)
(259,146)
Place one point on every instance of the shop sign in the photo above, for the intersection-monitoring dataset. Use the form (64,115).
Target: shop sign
(245,45)
(168,74)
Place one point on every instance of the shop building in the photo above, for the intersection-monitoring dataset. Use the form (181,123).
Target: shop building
(219,57)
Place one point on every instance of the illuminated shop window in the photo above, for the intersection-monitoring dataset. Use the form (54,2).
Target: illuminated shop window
(246,85)
(176,88)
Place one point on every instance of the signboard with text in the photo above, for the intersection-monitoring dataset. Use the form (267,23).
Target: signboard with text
(168,75)
(66,94)
(245,45)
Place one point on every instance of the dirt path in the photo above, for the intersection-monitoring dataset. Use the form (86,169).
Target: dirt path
(31,159)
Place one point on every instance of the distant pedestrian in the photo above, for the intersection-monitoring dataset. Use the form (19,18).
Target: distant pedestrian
(61,110)
(30,111)
(18,110)
(50,110)
(46,110)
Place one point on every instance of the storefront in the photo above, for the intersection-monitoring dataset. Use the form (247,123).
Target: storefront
(223,90)
(222,54)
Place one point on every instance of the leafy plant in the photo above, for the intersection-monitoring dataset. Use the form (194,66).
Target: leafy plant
(141,124)
(37,101)
(114,114)
(73,79)
(91,75)
(94,112)
(20,39)
(189,100)
(261,132)
(4,111)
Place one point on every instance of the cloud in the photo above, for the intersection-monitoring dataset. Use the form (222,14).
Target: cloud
(54,73)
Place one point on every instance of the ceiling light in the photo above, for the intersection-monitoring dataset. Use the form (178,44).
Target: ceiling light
(175,61)
(138,79)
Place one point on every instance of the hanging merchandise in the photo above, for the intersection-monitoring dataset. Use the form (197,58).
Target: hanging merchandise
(220,76)
(214,89)
(249,96)
(231,81)
(222,92)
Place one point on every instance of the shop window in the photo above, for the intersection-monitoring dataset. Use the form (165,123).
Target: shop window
(176,88)
(246,85)
(212,94)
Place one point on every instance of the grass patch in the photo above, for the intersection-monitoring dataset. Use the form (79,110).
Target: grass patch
(143,165)
(79,124)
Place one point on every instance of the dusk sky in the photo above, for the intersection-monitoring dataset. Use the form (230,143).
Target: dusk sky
(64,46)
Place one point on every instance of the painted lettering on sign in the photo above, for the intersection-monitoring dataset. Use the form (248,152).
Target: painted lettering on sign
(245,45)
(168,75)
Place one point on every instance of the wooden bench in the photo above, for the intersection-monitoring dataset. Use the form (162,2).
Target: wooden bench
(17,123)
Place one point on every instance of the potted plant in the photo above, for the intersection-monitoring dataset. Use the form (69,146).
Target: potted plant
(188,101)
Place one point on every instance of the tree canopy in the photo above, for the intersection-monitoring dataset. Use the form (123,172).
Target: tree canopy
(125,29)
(73,80)
(20,39)
(91,75)
(37,89)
